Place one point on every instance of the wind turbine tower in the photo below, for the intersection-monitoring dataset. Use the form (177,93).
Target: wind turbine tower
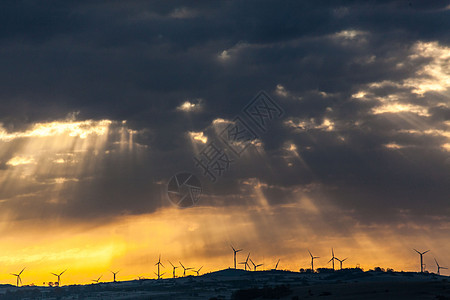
(184,269)
(59,276)
(198,271)
(255,265)
(312,260)
(421,259)
(114,275)
(159,264)
(235,251)
(174,268)
(439,267)
(332,258)
(19,280)
(341,261)
(245,263)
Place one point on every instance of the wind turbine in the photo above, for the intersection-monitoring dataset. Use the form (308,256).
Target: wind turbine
(276,266)
(198,271)
(439,267)
(97,280)
(312,260)
(159,264)
(332,258)
(114,274)
(235,251)
(174,268)
(184,268)
(59,276)
(18,276)
(341,261)
(245,263)
(421,259)
(254,265)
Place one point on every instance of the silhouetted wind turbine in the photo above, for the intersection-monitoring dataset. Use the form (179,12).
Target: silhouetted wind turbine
(174,268)
(159,264)
(254,265)
(341,261)
(245,263)
(439,267)
(421,259)
(114,275)
(332,257)
(276,266)
(198,271)
(97,280)
(312,260)
(184,268)
(235,251)
(18,277)
(59,276)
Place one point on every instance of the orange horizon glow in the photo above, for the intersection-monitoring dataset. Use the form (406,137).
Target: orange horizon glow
(132,244)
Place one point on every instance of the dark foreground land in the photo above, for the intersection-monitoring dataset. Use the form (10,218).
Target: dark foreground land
(239,284)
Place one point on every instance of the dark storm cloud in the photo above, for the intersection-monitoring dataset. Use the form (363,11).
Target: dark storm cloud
(138,61)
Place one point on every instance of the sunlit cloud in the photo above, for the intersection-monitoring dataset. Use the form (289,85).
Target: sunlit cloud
(393,146)
(190,105)
(19,160)
(80,129)
(435,75)
(326,125)
(198,136)
(399,108)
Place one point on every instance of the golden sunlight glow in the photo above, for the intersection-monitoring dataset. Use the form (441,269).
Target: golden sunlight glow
(19,160)
(80,129)
(188,106)
(434,76)
(326,124)
(198,136)
(400,107)
(393,146)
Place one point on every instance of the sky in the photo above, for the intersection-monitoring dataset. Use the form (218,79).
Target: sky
(102,102)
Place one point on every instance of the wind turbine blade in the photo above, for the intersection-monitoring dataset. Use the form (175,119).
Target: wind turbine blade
(417,251)
(181,264)
(21,271)
(162,265)
(200,268)
(330,260)
(13,274)
(171,263)
(54,274)
(233,248)
(332,252)
(443,268)
(344,259)
(63,272)
(426,251)
(310,253)
(239,250)
(436,261)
